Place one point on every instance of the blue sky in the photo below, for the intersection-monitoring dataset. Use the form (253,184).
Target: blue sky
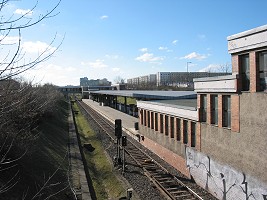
(130,38)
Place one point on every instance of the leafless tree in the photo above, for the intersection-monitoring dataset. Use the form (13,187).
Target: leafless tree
(119,79)
(13,62)
(226,68)
(22,104)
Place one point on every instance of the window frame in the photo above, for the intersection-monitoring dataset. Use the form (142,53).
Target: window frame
(244,60)
(226,109)
(214,109)
(262,69)
(185,131)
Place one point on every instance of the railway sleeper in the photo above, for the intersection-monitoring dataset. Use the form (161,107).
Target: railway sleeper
(173,188)
(167,182)
(184,196)
(152,170)
(163,175)
(165,179)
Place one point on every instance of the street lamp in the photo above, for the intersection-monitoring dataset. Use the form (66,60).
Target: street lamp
(187,65)
(187,78)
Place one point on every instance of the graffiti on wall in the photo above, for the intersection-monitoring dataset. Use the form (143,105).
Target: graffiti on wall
(222,181)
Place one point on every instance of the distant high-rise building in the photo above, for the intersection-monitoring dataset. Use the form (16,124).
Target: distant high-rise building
(98,82)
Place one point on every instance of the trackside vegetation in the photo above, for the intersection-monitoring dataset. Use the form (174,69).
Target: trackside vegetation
(104,179)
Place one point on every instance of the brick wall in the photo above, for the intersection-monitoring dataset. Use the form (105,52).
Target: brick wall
(235,113)
(170,157)
(254,72)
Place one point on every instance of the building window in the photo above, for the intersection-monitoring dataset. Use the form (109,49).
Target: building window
(166,125)
(193,134)
(152,120)
(172,127)
(178,129)
(262,57)
(142,119)
(148,119)
(185,132)
(156,122)
(214,109)
(245,72)
(161,123)
(145,124)
(227,111)
(203,107)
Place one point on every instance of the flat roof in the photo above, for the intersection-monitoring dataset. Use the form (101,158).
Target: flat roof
(149,94)
(186,103)
(248,32)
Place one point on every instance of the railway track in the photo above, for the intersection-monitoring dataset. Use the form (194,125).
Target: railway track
(170,185)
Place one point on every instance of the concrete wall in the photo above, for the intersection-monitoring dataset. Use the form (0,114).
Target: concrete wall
(223,181)
(245,151)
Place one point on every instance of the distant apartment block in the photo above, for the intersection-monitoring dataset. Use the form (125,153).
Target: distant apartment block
(98,82)
(151,78)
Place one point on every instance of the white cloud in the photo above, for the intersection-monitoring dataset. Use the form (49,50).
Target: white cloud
(37,47)
(52,73)
(96,64)
(104,17)
(174,42)
(211,68)
(112,56)
(9,39)
(148,57)
(194,55)
(143,49)
(27,12)
(163,48)
(115,69)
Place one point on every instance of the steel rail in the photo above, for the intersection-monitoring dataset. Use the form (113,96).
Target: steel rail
(165,181)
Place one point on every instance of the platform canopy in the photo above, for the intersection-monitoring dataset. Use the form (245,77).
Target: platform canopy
(148,94)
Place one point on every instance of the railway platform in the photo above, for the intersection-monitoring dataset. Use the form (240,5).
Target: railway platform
(128,122)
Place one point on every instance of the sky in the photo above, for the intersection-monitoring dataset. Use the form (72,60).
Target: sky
(130,38)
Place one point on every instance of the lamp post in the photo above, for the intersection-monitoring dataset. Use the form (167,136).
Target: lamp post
(187,66)
(187,73)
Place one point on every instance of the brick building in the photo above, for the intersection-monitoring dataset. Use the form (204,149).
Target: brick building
(218,139)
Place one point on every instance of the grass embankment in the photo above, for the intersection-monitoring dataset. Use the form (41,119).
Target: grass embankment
(105,182)
(46,156)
